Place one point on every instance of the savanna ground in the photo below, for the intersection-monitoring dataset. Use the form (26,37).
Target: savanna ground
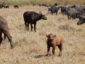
(30,47)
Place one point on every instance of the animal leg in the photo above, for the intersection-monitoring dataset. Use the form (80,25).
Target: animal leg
(27,26)
(53,50)
(1,37)
(48,49)
(56,13)
(60,48)
(9,37)
(4,36)
(31,27)
(26,23)
(35,27)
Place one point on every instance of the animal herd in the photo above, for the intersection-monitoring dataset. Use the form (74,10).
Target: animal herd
(7,6)
(72,12)
(31,18)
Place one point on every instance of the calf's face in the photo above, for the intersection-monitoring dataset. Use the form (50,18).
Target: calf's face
(51,36)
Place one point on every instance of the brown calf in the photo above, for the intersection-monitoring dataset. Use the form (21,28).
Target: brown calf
(53,41)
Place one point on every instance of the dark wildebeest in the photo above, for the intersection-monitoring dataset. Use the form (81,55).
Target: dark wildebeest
(5,30)
(31,17)
(81,19)
(16,6)
(53,41)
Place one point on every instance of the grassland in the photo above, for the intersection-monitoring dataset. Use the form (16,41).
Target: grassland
(30,47)
(62,2)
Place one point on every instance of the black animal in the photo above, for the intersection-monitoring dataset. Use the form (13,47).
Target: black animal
(16,6)
(81,9)
(31,18)
(63,10)
(54,9)
(70,12)
(1,5)
(5,30)
(6,6)
(81,19)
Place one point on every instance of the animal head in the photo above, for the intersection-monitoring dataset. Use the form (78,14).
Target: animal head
(43,16)
(56,4)
(73,6)
(81,20)
(50,36)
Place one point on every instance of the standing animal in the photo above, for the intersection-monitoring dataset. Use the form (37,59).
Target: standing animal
(64,10)
(1,5)
(31,18)
(6,6)
(5,30)
(70,12)
(16,6)
(54,9)
(81,9)
(53,41)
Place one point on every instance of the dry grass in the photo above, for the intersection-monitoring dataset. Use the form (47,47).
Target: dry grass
(30,47)
(63,2)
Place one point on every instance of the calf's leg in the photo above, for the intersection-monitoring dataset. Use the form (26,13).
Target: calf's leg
(60,48)
(53,50)
(48,49)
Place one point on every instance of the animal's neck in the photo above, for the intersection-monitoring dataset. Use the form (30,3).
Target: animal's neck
(38,18)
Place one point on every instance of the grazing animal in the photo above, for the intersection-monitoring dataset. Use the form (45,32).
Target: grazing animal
(5,30)
(16,6)
(31,18)
(81,19)
(53,41)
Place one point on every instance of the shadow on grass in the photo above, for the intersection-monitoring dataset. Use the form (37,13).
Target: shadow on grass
(40,56)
